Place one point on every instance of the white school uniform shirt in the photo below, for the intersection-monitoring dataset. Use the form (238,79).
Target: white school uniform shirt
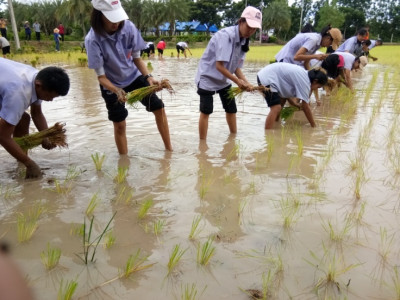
(112,54)
(225,46)
(287,80)
(17,90)
(311,41)
(373,44)
(316,62)
(348,45)
(348,59)
(183,45)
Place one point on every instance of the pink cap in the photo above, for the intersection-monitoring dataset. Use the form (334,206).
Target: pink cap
(341,62)
(111,9)
(253,16)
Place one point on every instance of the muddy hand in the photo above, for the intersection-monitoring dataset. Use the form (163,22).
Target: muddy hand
(46,144)
(121,94)
(33,170)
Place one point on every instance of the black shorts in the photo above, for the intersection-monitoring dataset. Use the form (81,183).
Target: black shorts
(6,50)
(206,100)
(161,51)
(272,98)
(151,47)
(117,111)
(180,48)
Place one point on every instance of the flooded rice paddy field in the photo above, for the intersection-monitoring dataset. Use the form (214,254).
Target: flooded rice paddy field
(295,213)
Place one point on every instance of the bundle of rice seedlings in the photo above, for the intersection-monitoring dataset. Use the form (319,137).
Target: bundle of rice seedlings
(288,111)
(55,134)
(238,92)
(141,93)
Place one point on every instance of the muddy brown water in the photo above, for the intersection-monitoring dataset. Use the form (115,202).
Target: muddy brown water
(281,206)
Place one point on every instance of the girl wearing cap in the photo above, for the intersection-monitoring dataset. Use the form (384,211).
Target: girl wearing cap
(113,46)
(286,81)
(353,44)
(351,63)
(221,63)
(301,49)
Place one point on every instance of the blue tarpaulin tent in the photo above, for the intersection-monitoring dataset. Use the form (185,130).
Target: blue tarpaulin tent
(191,26)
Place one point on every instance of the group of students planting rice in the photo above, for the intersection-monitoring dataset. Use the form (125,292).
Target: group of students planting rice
(113,47)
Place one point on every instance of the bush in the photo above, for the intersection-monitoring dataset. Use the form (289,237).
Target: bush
(272,39)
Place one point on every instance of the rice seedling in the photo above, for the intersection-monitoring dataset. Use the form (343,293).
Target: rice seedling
(72,173)
(205,181)
(139,94)
(109,238)
(82,61)
(287,112)
(62,188)
(300,143)
(270,146)
(189,292)
(396,282)
(124,194)
(205,252)
(359,182)
(175,257)
(28,223)
(94,201)
(8,192)
(289,210)
(195,229)
(55,134)
(370,87)
(88,243)
(77,230)
(67,289)
(265,293)
(242,205)
(51,257)
(234,153)
(338,236)
(144,208)
(331,270)
(386,244)
(121,175)
(150,67)
(158,227)
(234,92)
(134,264)
(98,160)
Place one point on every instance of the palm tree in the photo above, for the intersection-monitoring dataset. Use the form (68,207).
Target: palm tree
(277,16)
(176,10)
(154,15)
(76,11)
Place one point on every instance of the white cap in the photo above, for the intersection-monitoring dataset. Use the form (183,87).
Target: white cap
(111,9)
(363,62)
(253,16)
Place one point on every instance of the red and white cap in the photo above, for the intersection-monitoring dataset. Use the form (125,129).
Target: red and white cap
(111,9)
(253,16)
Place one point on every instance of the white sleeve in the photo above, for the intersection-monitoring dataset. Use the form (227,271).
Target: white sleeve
(136,54)
(100,71)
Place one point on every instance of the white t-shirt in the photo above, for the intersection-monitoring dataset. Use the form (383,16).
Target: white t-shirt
(17,90)
(348,59)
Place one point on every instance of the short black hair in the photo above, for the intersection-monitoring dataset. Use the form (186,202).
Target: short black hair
(318,74)
(54,79)
(330,65)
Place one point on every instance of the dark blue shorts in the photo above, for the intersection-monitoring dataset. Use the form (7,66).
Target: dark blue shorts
(206,100)
(117,111)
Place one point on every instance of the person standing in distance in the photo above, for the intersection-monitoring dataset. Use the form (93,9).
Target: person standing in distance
(221,64)
(113,47)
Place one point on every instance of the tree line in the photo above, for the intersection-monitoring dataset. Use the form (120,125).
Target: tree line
(382,16)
